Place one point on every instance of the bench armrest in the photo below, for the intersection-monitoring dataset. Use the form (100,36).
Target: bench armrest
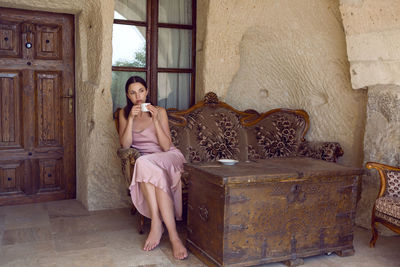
(128,157)
(328,151)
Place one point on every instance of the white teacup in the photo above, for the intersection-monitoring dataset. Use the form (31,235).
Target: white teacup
(143,107)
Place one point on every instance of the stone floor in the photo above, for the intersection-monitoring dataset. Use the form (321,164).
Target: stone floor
(64,233)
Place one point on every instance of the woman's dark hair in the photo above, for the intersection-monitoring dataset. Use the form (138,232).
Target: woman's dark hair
(129,104)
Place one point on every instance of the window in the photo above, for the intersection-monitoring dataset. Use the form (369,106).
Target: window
(155,39)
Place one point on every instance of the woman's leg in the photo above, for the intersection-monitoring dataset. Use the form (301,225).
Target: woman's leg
(166,208)
(156,230)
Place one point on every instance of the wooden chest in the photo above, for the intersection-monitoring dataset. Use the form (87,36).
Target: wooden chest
(280,209)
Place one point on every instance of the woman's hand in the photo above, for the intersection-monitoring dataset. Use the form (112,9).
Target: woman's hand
(155,114)
(160,120)
(135,110)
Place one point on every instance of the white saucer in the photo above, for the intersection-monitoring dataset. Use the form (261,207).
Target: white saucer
(228,161)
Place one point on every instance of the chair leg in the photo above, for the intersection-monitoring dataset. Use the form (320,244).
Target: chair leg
(374,230)
(374,235)
(140,219)
(140,223)
(133,210)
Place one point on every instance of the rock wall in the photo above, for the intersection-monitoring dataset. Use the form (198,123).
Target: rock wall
(201,29)
(285,54)
(100,183)
(372,35)
(373,46)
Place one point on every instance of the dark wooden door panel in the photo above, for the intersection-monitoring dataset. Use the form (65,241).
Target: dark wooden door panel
(10,95)
(48,95)
(37,126)
(48,42)
(10,39)
(51,178)
(12,178)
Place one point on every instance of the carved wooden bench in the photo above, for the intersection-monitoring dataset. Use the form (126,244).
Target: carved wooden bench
(212,130)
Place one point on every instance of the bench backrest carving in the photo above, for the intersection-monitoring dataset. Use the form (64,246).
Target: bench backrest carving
(212,130)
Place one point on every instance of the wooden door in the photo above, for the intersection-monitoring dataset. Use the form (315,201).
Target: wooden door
(37,125)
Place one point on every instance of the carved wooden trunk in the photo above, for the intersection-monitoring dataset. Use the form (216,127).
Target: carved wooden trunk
(271,210)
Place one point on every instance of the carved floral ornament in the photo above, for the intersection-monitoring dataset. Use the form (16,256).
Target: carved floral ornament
(210,98)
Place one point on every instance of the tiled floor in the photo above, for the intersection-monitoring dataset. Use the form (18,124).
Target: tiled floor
(63,233)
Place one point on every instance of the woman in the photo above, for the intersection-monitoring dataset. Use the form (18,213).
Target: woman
(156,185)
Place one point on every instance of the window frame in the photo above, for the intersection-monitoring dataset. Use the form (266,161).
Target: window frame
(152,25)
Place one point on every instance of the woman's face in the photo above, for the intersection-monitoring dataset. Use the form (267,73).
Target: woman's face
(137,93)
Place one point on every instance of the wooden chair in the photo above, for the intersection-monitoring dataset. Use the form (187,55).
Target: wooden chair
(386,209)
(128,157)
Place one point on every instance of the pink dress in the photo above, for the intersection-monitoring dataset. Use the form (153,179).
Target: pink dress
(162,169)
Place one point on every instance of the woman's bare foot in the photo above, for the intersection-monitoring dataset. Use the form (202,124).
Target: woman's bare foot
(178,249)
(155,234)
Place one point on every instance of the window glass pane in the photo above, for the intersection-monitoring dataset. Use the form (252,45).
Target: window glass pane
(174,90)
(130,10)
(175,11)
(174,48)
(129,46)
(119,79)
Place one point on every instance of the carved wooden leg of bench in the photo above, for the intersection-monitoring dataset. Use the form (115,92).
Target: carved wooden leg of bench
(295,262)
(345,252)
